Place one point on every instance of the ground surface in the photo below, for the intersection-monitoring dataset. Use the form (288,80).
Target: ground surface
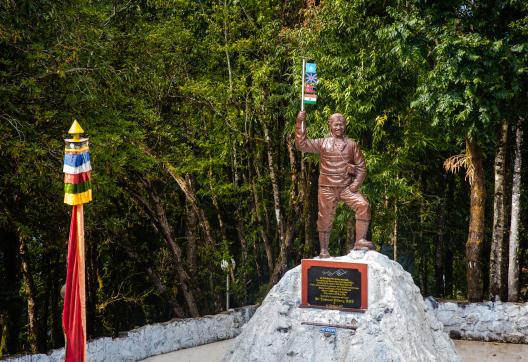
(470,351)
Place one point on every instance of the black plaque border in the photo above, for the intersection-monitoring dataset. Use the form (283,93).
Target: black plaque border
(306,264)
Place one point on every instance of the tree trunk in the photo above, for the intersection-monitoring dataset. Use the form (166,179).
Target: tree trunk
(440,251)
(423,246)
(394,233)
(244,251)
(513,267)
(265,214)
(186,185)
(156,211)
(43,326)
(256,214)
(498,270)
(3,327)
(57,335)
(91,288)
(257,263)
(285,246)
(262,228)
(226,49)
(476,223)
(305,196)
(240,229)
(282,262)
(350,234)
(449,260)
(161,289)
(221,223)
(448,265)
(29,289)
(274,184)
(163,292)
(13,308)
(309,208)
(191,234)
(216,205)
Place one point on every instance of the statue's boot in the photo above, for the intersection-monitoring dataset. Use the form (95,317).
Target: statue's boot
(324,240)
(361,236)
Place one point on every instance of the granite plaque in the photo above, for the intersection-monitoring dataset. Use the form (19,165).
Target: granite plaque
(334,285)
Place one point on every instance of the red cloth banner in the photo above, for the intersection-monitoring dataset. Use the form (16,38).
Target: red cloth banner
(73,316)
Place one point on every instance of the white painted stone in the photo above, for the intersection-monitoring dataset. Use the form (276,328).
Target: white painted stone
(449,318)
(154,339)
(522,325)
(523,309)
(488,321)
(472,318)
(450,306)
(394,328)
(485,316)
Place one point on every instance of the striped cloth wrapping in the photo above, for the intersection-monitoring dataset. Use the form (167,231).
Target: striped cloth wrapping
(77,172)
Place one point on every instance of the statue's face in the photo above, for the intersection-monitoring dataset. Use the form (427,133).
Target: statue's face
(337,125)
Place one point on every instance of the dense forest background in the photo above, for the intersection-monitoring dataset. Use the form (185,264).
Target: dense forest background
(190,108)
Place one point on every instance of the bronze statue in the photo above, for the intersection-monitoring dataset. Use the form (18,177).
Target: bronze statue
(341,172)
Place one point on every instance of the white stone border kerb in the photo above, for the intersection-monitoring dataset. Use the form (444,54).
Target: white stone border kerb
(487,321)
(154,339)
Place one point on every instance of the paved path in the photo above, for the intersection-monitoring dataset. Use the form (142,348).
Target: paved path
(472,351)
(212,352)
(469,351)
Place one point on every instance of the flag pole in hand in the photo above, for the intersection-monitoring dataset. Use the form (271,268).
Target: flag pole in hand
(302,88)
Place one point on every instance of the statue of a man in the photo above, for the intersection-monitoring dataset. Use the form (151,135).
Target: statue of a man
(341,172)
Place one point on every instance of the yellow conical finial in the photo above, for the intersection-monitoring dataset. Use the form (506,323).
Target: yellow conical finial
(76,130)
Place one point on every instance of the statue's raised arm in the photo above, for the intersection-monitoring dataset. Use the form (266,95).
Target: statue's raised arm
(303,143)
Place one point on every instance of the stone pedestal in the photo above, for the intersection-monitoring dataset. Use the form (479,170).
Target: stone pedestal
(395,327)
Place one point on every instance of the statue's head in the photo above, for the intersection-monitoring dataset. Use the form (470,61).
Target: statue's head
(337,124)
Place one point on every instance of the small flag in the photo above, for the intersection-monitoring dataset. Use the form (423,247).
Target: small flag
(310,78)
(309,88)
(310,99)
(311,68)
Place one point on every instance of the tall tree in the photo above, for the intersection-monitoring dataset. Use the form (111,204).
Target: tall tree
(513,253)
(499,243)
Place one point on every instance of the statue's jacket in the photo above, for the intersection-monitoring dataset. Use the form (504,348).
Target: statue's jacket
(342,162)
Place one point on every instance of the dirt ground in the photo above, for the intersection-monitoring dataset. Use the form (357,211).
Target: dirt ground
(469,351)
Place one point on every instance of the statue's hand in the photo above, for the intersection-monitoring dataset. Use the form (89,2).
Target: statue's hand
(350,169)
(353,188)
(301,116)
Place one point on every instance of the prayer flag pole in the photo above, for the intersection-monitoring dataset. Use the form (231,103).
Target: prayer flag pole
(302,88)
(77,191)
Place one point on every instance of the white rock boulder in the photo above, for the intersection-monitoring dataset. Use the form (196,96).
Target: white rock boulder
(395,327)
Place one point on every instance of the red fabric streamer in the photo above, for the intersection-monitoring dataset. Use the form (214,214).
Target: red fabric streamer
(73,316)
